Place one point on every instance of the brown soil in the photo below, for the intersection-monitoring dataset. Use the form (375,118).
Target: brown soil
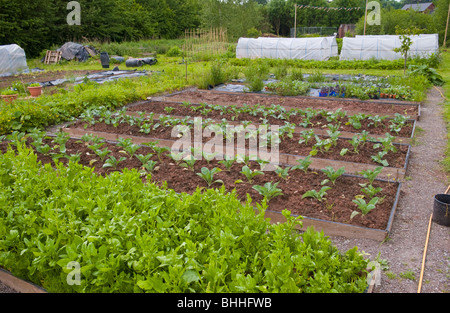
(350,105)
(337,205)
(287,145)
(319,121)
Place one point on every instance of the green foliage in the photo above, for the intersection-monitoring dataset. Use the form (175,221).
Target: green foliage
(130,236)
(318,195)
(430,73)
(249,173)
(333,174)
(255,74)
(364,207)
(208,175)
(269,190)
(175,51)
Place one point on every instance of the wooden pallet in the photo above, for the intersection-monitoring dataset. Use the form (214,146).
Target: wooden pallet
(52,57)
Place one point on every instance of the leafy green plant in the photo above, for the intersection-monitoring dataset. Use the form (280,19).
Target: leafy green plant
(227,162)
(322,145)
(144,158)
(318,195)
(283,172)
(370,190)
(208,175)
(102,154)
(364,207)
(430,73)
(61,139)
(333,174)
(303,164)
(189,162)
(386,143)
(250,174)
(149,165)
(371,175)
(160,151)
(113,162)
(379,158)
(269,190)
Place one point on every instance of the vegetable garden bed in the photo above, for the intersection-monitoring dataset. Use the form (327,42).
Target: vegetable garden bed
(324,197)
(402,127)
(352,106)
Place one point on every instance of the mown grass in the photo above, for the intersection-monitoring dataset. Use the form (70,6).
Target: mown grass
(444,70)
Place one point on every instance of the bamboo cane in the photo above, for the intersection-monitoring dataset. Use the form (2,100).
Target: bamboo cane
(424,255)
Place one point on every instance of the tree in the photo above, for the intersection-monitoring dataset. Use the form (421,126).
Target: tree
(234,15)
(279,16)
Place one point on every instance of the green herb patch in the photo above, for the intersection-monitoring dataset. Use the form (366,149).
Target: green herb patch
(129,236)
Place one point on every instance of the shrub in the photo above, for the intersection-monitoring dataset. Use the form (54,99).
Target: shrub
(175,51)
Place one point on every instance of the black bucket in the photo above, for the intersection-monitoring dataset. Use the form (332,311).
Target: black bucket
(104,59)
(441,210)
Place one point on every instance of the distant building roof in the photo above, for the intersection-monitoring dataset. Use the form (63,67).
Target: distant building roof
(421,7)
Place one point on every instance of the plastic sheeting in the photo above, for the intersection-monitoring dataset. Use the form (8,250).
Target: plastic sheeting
(12,60)
(314,48)
(381,47)
(72,50)
(99,77)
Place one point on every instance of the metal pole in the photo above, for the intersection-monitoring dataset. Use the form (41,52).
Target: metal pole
(365,17)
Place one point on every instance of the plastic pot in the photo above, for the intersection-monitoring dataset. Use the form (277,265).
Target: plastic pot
(441,209)
(9,98)
(35,91)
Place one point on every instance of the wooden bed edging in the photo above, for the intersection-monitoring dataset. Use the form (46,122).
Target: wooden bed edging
(19,284)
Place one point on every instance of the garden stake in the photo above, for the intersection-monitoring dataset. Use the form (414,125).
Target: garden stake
(424,255)
(425,250)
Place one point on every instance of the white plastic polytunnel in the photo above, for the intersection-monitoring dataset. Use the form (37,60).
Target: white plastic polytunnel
(314,48)
(12,59)
(381,47)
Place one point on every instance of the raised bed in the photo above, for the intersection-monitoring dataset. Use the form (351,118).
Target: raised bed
(290,150)
(157,110)
(352,106)
(332,214)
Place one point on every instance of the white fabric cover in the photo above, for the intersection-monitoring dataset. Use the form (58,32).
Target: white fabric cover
(314,48)
(381,47)
(12,59)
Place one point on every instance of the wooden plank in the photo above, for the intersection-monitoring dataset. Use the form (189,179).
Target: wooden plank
(18,284)
(52,57)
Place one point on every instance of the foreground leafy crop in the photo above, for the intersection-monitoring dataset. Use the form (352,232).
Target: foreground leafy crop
(129,236)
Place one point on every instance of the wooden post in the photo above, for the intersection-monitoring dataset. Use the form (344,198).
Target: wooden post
(446,28)
(295,21)
(365,17)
